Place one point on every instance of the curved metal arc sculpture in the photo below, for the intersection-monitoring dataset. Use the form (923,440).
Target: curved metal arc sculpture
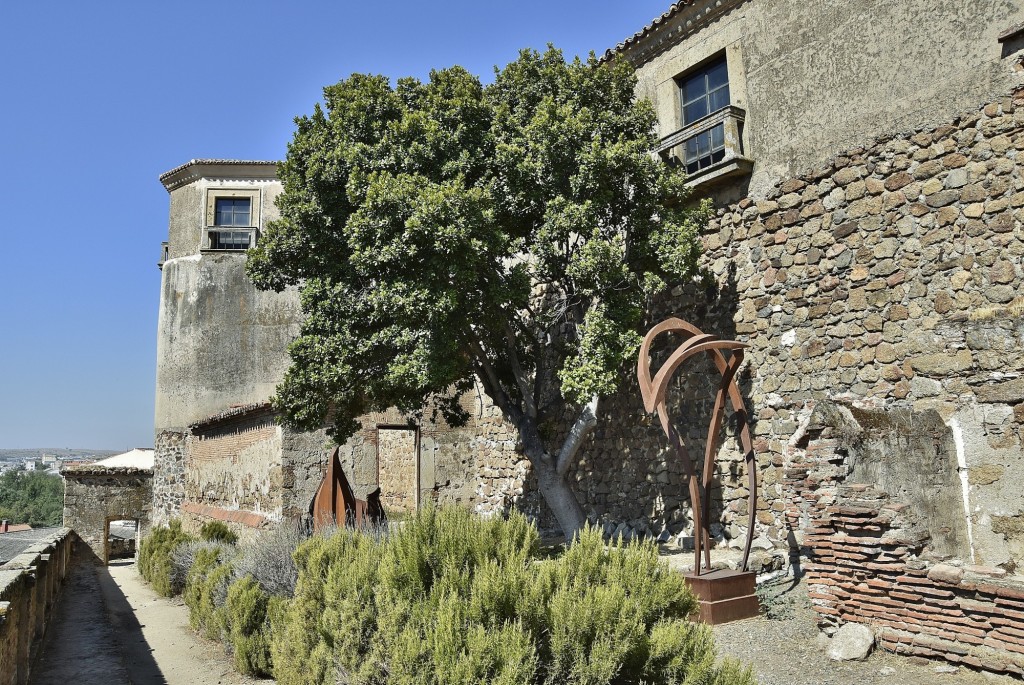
(653,392)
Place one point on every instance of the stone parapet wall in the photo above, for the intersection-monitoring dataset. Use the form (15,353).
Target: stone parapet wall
(29,587)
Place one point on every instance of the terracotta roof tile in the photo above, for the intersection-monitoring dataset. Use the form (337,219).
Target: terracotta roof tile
(232,412)
(645,31)
(231,162)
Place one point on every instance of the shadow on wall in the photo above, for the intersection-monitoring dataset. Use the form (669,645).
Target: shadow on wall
(911,456)
(628,478)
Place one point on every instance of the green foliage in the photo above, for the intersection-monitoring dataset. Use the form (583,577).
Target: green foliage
(155,557)
(777,601)
(419,217)
(249,617)
(217,531)
(32,497)
(452,599)
(206,590)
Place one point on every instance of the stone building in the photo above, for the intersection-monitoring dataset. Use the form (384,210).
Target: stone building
(867,164)
(221,452)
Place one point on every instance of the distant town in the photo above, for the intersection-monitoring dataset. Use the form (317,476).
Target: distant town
(49,459)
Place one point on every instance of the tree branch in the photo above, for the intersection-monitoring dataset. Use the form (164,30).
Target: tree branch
(517,370)
(585,423)
(492,386)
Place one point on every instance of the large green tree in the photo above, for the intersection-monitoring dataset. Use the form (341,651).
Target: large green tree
(445,231)
(31,497)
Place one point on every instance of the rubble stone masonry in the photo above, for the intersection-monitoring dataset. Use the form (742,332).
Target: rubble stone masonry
(889,281)
(168,476)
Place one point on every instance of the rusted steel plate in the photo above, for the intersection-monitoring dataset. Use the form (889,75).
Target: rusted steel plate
(335,504)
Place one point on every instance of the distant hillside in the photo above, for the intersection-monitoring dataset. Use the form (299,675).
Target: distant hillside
(61,452)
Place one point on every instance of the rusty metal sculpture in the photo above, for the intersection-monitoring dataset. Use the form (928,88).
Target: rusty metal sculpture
(335,503)
(653,392)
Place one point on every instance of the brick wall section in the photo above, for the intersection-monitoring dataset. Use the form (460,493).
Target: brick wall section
(234,471)
(29,586)
(203,513)
(869,563)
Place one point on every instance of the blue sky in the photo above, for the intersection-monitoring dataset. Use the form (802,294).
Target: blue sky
(98,99)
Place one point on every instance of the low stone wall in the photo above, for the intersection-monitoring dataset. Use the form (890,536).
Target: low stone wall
(29,586)
(873,559)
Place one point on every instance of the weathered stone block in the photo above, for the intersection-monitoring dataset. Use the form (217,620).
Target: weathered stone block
(942,364)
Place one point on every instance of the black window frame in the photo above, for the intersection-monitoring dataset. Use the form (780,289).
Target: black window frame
(706,148)
(234,212)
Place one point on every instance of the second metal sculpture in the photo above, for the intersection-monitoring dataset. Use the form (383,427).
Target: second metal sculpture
(335,503)
(654,390)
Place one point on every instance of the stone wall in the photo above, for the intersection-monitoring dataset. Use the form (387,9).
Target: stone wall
(475,465)
(29,586)
(397,468)
(304,459)
(892,273)
(220,341)
(168,476)
(882,554)
(96,495)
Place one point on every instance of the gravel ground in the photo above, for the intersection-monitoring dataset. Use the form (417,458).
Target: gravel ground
(790,652)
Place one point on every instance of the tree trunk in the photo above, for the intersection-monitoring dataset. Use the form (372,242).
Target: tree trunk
(557,494)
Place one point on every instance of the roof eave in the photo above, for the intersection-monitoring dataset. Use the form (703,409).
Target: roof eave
(679,21)
(193,170)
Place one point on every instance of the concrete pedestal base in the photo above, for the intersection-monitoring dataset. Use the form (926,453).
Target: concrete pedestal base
(724,595)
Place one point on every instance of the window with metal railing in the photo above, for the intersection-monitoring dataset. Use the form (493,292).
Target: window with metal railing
(704,92)
(232,224)
(221,239)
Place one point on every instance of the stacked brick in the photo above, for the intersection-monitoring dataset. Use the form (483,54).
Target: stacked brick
(869,563)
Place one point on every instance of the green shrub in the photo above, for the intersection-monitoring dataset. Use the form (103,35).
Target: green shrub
(250,612)
(452,599)
(217,531)
(206,590)
(155,557)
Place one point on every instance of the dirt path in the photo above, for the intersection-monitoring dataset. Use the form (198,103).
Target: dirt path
(112,629)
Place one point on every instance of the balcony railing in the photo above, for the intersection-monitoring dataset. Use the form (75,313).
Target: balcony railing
(223,239)
(164,251)
(711,148)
